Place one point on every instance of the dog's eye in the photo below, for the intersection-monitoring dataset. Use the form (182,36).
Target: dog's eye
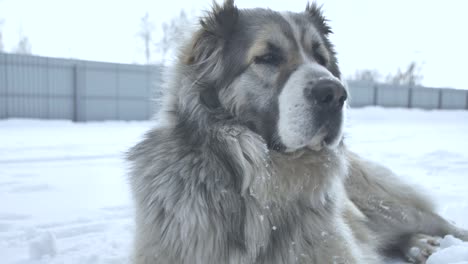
(269,58)
(318,54)
(320,59)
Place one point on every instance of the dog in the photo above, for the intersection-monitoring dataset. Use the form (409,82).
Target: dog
(247,162)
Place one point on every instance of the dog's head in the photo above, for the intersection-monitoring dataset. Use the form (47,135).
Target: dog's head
(275,72)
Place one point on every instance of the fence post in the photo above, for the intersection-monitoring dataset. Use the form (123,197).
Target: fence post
(75,93)
(375,94)
(410,96)
(439,105)
(48,96)
(148,91)
(117,92)
(466,104)
(7,88)
(78,80)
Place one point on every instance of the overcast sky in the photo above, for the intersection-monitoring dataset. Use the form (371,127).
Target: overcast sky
(369,34)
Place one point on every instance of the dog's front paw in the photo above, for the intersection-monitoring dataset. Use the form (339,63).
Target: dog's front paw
(420,247)
(461,234)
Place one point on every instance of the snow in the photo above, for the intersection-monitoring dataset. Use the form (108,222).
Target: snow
(452,250)
(65,199)
(45,245)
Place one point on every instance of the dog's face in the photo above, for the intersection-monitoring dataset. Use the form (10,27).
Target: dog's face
(275,72)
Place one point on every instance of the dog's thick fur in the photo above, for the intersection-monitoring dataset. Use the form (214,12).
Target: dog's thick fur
(233,173)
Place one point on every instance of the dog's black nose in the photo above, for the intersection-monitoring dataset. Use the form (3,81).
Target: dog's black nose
(326,93)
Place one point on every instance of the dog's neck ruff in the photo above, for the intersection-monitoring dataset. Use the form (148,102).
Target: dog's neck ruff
(311,176)
(275,177)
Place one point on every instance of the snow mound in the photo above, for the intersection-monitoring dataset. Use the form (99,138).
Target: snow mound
(45,245)
(452,251)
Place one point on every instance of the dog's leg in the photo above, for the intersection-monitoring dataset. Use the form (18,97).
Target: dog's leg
(417,248)
(393,209)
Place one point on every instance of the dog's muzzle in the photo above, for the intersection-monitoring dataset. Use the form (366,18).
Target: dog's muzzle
(327,97)
(326,93)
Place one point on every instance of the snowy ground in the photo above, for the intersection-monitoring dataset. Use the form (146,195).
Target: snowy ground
(64,196)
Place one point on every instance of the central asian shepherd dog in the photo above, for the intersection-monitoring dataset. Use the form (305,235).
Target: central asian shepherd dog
(247,162)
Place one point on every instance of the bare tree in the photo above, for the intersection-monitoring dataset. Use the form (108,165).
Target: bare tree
(2,47)
(146,35)
(366,75)
(411,76)
(164,44)
(173,32)
(23,46)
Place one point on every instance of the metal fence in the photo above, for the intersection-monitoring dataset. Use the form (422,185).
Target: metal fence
(48,88)
(387,95)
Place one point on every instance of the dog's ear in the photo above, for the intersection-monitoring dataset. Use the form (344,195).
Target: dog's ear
(205,54)
(315,13)
(216,28)
(221,20)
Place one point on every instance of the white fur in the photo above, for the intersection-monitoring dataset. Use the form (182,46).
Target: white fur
(295,126)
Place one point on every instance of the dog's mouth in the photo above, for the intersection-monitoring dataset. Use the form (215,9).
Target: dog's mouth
(318,139)
(329,133)
(324,138)
(314,130)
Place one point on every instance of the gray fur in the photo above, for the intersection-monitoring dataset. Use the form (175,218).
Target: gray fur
(396,211)
(213,183)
